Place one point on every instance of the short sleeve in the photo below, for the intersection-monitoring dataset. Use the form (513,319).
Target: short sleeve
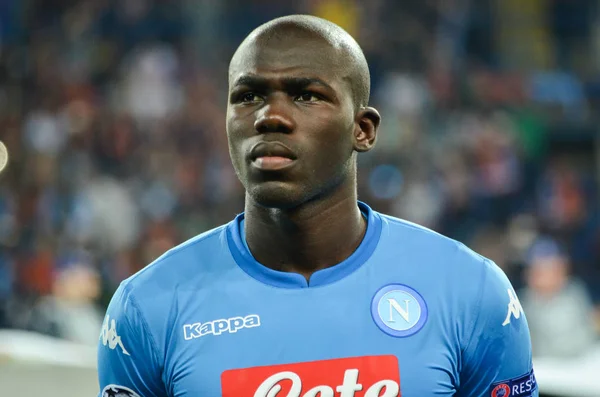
(497,360)
(127,361)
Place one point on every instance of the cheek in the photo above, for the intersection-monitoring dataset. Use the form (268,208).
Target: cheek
(330,147)
(235,137)
(337,137)
(234,141)
(232,126)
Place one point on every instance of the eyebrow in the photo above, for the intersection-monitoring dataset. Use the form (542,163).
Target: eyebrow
(290,83)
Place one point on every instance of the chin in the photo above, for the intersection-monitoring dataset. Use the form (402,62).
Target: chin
(276,195)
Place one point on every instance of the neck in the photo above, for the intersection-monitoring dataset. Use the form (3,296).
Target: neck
(303,240)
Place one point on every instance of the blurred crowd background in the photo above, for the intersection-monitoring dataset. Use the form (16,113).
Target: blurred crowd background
(113,114)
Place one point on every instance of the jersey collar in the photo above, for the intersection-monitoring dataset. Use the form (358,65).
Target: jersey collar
(243,257)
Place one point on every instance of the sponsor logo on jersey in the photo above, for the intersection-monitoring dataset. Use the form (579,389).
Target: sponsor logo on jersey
(514,307)
(399,310)
(523,386)
(109,336)
(218,327)
(366,376)
(118,391)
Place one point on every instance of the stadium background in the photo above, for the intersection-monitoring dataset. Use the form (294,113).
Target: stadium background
(112,115)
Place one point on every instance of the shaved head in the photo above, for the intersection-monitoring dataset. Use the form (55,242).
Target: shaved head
(347,55)
(298,96)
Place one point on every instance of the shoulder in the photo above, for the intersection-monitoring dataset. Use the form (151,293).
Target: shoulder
(431,246)
(150,298)
(446,267)
(182,264)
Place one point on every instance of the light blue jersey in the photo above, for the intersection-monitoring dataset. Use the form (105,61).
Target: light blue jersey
(410,313)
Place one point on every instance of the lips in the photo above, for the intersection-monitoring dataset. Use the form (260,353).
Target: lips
(271,149)
(271,156)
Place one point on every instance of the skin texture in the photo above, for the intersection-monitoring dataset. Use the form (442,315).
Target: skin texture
(303,83)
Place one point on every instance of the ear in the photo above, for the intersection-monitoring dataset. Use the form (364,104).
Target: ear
(365,133)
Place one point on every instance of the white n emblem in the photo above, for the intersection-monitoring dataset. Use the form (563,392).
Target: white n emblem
(395,306)
(514,307)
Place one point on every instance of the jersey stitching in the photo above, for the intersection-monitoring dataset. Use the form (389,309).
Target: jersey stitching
(144,325)
(478,305)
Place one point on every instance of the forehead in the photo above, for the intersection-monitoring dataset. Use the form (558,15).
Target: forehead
(288,58)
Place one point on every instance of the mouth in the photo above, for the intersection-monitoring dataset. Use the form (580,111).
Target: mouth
(271,156)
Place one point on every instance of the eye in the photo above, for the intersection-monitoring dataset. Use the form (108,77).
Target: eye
(249,97)
(307,97)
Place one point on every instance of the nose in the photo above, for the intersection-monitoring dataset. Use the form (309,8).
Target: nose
(274,116)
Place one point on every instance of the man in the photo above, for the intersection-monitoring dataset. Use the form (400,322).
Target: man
(550,289)
(310,292)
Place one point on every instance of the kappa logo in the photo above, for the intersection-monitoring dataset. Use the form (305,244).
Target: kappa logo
(399,310)
(109,336)
(514,307)
(218,327)
(366,376)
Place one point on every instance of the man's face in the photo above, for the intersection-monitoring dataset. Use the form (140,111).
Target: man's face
(290,121)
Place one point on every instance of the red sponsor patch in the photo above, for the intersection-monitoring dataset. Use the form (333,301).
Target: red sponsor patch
(367,376)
